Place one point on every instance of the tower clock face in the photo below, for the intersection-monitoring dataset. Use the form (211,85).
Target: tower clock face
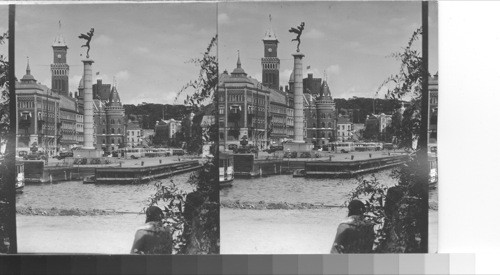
(270,50)
(59,56)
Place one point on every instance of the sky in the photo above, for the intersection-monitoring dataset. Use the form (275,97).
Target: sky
(145,46)
(350,41)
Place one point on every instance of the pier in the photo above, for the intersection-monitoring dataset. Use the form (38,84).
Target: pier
(119,172)
(339,165)
(125,175)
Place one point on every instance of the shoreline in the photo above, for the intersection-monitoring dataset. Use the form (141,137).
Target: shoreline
(262,205)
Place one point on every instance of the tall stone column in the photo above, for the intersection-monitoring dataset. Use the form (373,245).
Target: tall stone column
(88,106)
(298,96)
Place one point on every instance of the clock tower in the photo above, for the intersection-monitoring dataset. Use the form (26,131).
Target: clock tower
(60,69)
(270,61)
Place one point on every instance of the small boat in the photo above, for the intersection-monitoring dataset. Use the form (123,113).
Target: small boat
(19,177)
(300,173)
(89,180)
(226,170)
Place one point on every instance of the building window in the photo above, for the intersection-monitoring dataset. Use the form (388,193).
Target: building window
(329,125)
(112,130)
(104,131)
(112,121)
(322,125)
(113,141)
(119,130)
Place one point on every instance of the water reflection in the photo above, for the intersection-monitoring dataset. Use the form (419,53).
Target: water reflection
(75,194)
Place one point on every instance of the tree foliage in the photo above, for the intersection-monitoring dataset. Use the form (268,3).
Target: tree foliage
(4,133)
(399,212)
(4,94)
(196,214)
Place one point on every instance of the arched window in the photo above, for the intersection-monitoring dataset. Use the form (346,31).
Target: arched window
(103,141)
(119,130)
(322,125)
(112,141)
(323,115)
(112,130)
(314,125)
(112,121)
(104,131)
(329,125)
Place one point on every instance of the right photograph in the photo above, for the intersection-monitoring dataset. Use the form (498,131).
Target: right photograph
(327,115)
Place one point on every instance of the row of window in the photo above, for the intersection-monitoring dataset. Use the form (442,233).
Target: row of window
(112,121)
(323,125)
(119,131)
(112,141)
(60,72)
(323,115)
(271,66)
(270,78)
(322,134)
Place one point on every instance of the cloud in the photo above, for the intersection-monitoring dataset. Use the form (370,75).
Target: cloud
(103,40)
(122,75)
(333,70)
(223,18)
(314,34)
(257,76)
(285,76)
(141,50)
(74,81)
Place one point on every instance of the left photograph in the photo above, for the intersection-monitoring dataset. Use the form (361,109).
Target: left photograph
(116,129)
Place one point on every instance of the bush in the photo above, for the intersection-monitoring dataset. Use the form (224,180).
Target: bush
(305,155)
(293,155)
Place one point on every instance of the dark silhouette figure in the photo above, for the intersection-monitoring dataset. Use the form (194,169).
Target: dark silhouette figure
(153,237)
(298,31)
(87,37)
(354,235)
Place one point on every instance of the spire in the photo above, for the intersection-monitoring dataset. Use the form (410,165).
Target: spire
(59,40)
(238,63)
(28,78)
(28,70)
(238,71)
(269,35)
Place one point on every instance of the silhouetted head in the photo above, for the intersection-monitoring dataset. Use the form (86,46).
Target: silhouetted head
(356,207)
(154,214)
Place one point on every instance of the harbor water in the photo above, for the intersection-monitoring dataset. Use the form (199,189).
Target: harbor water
(296,231)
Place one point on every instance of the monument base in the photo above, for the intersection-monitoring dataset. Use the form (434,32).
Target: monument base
(298,147)
(87,153)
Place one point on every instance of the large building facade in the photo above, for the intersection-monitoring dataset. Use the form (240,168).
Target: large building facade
(109,118)
(37,116)
(244,105)
(320,114)
(263,113)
